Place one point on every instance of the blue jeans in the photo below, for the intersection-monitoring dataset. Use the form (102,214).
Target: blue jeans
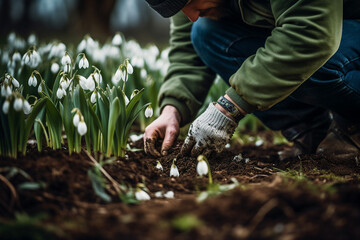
(224,45)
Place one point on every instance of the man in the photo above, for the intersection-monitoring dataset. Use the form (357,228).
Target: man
(295,64)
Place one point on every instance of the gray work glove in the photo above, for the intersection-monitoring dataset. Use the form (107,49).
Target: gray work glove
(211,131)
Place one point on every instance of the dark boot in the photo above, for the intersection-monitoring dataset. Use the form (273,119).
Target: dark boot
(305,143)
(342,142)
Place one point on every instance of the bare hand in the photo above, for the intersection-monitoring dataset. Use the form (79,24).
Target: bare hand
(167,127)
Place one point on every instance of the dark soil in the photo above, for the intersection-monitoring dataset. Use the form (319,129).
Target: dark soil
(311,197)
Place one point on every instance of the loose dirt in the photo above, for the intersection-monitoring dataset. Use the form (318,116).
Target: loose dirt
(310,197)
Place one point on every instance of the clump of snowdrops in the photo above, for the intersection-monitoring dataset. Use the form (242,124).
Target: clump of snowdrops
(57,93)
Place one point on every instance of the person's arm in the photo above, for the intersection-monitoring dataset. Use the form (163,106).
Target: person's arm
(188,79)
(306,34)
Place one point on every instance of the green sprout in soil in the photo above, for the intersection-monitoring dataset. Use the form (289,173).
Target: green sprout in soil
(186,223)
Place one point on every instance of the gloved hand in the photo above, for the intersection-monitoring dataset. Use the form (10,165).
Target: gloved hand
(211,131)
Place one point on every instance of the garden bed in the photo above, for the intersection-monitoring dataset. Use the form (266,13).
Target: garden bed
(311,197)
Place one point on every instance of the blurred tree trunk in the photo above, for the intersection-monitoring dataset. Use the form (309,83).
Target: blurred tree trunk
(93,17)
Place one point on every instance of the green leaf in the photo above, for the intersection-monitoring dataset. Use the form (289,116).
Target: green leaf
(98,185)
(114,115)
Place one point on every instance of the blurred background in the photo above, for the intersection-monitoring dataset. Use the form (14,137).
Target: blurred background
(70,20)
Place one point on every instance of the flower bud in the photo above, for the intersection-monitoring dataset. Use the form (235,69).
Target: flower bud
(27,107)
(18,104)
(82,128)
(76,120)
(55,68)
(149,112)
(6,106)
(66,60)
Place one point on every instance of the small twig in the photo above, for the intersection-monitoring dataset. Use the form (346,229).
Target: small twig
(12,189)
(259,216)
(115,184)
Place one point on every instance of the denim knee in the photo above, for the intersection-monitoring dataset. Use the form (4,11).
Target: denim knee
(201,33)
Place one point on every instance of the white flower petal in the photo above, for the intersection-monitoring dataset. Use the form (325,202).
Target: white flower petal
(149,111)
(18,104)
(174,172)
(169,194)
(76,120)
(202,168)
(142,195)
(82,128)
(6,106)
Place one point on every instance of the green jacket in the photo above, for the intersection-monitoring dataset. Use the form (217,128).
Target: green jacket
(305,34)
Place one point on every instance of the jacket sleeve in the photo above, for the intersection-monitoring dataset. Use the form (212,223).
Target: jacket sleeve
(188,80)
(306,34)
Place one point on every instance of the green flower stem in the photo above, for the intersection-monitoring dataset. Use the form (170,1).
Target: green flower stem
(209,173)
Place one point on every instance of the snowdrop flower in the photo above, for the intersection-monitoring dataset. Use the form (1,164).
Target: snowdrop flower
(118,76)
(64,82)
(159,194)
(129,68)
(60,93)
(93,96)
(18,104)
(32,80)
(82,128)
(117,40)
(137,61)
(15,82)
(76,119)
(32,39)
(159,166)
(90,83)
(82,45)
(55,68)
(141,195)
(97,77)
(6,90)
(174,172)
(169,194)
(39,88)
(6,106)
(66,60)
(67,68)
(83,63)
(83,82)
(143,73)
(31,59)
(57,50)
(16,57)
(149,112)
(202,167)
(27,108)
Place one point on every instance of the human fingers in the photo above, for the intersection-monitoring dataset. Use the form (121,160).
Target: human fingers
(186,148)
(150,138)
(170,135)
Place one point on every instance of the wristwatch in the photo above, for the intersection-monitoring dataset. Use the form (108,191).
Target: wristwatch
(230,107)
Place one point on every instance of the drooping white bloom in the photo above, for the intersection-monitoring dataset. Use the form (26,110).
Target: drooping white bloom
(82,45)
(159,166)
(3,90)
(60,93)
(90,83)
(202,168)
(15,82)
(93,97)
(83,82)
(32,80)
(39,88)
(64,82)
(76,119)
(6,106)
(67,68)
(8,91)
(143,73)
(97,77)
(83,63)
(18,104)
(174,172)
(34,60)
(169,194)
(129,68)
(16,57)
(141,195)
(27,108)
(149,111)
(159,194)
(55,68)
(66,60)
(32,39)
(57,50)
(82,128)
(117,40)
(117,77)
(26,58)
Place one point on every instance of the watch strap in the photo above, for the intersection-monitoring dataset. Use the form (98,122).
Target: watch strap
(231,108)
